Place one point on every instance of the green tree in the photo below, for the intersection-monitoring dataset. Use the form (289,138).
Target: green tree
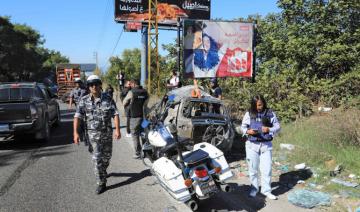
(22,55)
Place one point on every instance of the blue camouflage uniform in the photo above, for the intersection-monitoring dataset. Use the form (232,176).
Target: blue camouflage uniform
(77,93)
(97,113)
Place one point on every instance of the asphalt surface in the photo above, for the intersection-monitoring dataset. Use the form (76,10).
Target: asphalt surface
(58,176)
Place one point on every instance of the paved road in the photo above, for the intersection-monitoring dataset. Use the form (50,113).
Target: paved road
(58,176)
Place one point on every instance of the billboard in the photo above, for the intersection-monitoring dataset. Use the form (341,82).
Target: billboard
(217,49)
(168,10)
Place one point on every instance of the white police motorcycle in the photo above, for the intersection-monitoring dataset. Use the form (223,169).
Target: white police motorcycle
(187,175)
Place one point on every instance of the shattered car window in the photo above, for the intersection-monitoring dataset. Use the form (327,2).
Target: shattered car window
(196,109)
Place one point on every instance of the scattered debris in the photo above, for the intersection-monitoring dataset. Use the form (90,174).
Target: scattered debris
(347,194)
(283,168)
(313,185)
(287,146)
(352,176)
(325,109)
(309,199)
(344,183)
(336,171)
(300,166)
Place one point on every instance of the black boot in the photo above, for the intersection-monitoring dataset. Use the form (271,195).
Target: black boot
(101,189)
(90,149)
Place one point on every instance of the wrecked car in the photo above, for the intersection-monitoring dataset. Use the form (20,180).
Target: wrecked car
(204,119)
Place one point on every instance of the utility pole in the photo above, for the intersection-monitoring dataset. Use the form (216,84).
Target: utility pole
(96,58)
(153,44)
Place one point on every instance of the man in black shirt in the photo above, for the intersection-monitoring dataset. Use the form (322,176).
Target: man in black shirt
(137,98)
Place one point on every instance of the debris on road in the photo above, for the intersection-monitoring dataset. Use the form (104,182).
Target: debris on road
(344,183)
(346,194)
(352,176)
(309,199)
(336,171)
(300,166)
(325,109)
(289,147)
(283,168)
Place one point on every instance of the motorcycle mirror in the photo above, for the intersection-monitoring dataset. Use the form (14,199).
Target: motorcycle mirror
(145,123)
(171,98)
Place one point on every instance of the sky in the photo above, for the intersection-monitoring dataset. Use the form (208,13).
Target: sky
(79,28)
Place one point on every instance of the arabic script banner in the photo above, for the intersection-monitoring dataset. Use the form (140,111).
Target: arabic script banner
(168,10)
(217,49)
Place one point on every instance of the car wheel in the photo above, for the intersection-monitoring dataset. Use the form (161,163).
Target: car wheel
(214,135)
(46,130)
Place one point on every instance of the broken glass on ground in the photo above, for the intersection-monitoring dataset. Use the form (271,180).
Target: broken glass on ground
(309,199)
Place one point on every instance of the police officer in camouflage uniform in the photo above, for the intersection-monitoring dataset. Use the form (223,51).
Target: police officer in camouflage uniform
(75,95)
(98,108)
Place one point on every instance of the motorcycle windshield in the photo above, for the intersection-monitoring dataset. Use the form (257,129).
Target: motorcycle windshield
(166,135)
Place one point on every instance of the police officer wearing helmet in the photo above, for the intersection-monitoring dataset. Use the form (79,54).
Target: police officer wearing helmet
(75,95)
(136,99)
(78,92)
(98,108)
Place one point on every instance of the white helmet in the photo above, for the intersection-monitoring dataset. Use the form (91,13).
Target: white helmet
(77,80)
(93,79)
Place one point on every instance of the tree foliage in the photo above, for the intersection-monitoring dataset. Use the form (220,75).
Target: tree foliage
(22,55)
(307,54)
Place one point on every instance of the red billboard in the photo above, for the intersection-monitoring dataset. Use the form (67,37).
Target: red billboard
(168,10)
(217,49)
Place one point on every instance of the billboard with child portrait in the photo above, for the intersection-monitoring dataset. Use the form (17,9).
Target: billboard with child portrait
(217,49)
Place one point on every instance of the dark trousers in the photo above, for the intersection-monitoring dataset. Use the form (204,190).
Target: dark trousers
(128,125)
(135,126)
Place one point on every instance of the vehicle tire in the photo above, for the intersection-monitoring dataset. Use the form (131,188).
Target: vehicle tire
(46,130)
(58,118)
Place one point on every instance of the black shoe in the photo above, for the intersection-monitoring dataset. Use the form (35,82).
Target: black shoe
(91,150)
(101,189)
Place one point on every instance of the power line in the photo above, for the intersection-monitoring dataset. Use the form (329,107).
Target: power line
(104,24)
(116,44)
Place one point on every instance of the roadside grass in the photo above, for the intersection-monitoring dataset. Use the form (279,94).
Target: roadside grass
(323,142)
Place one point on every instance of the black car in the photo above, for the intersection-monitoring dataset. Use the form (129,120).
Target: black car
(27,108)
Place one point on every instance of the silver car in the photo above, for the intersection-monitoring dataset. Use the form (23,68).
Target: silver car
(202,119)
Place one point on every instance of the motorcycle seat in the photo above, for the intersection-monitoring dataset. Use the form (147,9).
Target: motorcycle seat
(196,157)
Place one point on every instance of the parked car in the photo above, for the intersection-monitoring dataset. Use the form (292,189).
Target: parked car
(27,108)
(52,104)
(204,119)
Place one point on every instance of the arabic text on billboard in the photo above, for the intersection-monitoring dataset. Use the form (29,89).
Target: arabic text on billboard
(217,49)
(168,10)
